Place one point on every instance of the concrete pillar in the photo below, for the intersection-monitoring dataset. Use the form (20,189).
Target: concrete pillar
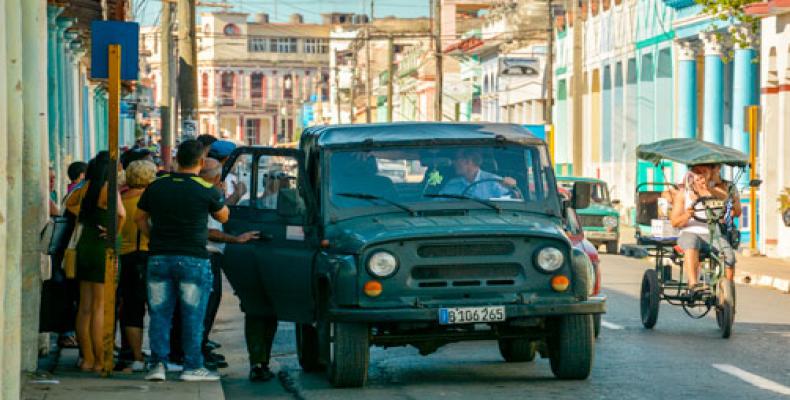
(744,91)
(35,174)
(12,307)
(687,90)
(713,111)
(7,376)
(52,87)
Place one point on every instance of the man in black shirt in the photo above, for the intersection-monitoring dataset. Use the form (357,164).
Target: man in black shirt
(178,205)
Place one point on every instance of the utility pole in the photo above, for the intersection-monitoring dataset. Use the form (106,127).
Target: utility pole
(187,64)
(368,81)
(166,40)
(337,88)
(353,100)
(578,88)
(390,72)
(437,100)
(548,107)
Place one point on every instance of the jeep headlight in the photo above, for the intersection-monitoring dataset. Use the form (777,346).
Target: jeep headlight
(382,264)
(549,259)
(609,221)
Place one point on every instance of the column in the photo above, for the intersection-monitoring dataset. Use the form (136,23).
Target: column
(687,90)
(744,90)
(713,111)
(60,62)
(52,86)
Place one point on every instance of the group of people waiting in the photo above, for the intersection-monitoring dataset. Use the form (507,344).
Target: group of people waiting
(171,243)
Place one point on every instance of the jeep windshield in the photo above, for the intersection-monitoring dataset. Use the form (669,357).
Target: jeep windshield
(599,192)
(441,177)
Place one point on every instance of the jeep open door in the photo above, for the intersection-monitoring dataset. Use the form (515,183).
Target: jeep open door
(262,193)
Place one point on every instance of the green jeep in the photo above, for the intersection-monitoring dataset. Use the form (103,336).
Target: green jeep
(600,220)
(417,234)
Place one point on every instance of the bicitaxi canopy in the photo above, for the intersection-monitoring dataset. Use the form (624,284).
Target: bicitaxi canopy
(691,152)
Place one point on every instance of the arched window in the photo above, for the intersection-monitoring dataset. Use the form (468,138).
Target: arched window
(204,87)
(231,30)
(257,86)
(227,83)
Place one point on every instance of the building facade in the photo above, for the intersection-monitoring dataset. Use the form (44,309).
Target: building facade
(257,80)
(650,70)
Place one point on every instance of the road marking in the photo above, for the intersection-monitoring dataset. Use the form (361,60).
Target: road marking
(754,380)
(609,325)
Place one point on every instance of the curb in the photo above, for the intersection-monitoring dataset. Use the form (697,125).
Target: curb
(747,278)
(211,391)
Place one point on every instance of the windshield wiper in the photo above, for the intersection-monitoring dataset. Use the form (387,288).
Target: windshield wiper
(462,197)
(372,197)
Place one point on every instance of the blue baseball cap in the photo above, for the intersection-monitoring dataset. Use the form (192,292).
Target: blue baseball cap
(221,149)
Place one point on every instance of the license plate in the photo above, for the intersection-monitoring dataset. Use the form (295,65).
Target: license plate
(471,315)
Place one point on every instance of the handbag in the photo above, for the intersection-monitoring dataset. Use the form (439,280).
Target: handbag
(70,255)
(54,238)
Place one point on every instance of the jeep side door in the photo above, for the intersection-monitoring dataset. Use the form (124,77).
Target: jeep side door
(262,184)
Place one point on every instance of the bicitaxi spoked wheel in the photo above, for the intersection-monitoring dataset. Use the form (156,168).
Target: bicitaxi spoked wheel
(649,298)
(725,306)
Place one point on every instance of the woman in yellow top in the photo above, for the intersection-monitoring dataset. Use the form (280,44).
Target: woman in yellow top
(89,203)
(134,257)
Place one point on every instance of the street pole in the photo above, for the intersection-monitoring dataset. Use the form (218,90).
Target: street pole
(353,95)
(337,90)
(111,259)
(390,72)
(548,107)
(578,88)
(438,89)
(368,81)
(187,64)
(753,118)
(165,38)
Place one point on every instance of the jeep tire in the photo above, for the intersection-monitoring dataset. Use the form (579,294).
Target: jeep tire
(307,349)
(349,354)
(572,346)
(517,350)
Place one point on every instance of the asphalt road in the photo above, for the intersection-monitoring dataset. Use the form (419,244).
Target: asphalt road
(680,358)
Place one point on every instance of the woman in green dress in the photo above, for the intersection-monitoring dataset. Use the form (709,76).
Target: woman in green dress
(91,207)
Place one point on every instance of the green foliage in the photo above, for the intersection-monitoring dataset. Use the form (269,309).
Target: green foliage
(784,200)
(732,11)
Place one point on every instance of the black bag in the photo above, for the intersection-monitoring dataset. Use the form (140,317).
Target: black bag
(54,238)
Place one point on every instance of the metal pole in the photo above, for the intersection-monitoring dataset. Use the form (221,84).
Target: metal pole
(12,326)
(35,153)
(337,89)
(166,31)
(390,73)
(438,89)
(578,88)
(754,115)
(187,64)
(111,260)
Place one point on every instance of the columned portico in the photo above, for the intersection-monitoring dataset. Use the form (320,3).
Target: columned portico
(745,82)
(713,111)
(687,89)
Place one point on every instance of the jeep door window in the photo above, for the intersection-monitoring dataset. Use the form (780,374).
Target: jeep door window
(276,174)
(238,182)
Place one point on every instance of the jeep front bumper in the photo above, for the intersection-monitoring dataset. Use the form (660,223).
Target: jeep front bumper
(593,305)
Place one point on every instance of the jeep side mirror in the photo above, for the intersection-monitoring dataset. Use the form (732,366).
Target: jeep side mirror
(289,203)
(580,199)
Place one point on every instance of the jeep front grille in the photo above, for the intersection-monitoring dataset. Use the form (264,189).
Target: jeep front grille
(470,249)
(465,272)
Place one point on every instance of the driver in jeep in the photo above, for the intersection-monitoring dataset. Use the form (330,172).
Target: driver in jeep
(689,215)
(474,182)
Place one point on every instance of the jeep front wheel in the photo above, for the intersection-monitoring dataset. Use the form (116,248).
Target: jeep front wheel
(571,348)
(517,350)
(349,354)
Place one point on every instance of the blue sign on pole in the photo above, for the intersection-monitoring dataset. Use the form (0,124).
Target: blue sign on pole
(105,33)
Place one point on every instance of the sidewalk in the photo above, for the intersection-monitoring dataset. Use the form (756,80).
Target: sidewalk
(757,271)
(67,382)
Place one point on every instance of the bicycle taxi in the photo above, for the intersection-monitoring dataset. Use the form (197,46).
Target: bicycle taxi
(659,283)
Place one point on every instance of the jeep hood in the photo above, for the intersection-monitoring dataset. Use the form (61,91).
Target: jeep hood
(350,236)
(597,209)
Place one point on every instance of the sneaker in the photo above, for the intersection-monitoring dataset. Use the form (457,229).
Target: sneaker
(199,375)
(175,367)
(137,366)
(157,373)
(260,373)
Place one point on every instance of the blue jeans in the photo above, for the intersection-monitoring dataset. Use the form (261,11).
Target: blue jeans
(190,279)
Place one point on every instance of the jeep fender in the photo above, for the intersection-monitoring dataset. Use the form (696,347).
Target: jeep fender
(583,274)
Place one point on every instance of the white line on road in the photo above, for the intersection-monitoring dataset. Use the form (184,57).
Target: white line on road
(754,380)
(609,325)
